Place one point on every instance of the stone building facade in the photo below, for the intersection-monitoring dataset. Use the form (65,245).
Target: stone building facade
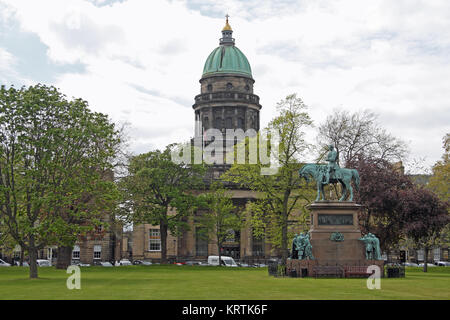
(226,101)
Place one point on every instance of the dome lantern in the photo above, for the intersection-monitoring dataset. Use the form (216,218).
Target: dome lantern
(227,34)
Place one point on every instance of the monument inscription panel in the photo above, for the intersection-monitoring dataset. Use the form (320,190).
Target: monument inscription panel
(335,219)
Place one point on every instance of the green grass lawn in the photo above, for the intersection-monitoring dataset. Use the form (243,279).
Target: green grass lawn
(167,282)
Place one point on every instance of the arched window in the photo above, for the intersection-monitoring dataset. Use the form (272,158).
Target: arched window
(229,86)
(209,87)
(240,123)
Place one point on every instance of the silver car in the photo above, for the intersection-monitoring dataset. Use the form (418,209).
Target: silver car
(4,264)
(106,264)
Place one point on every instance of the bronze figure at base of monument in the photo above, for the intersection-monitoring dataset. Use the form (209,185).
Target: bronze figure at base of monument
(335,238)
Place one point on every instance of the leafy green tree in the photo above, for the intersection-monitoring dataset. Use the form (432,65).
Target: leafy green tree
(425,218)
(439,181)
(154,186)
(54,154)
(439,184)
(220,216)
(282,193)
(396,209)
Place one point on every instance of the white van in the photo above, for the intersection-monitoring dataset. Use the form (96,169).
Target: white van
(43,263)
(226,261)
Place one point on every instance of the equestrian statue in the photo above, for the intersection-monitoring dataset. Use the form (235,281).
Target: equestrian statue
(325,174)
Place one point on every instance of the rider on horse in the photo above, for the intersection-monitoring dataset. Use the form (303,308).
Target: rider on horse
(332,166)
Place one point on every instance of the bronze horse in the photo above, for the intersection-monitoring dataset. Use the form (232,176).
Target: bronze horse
(342,175)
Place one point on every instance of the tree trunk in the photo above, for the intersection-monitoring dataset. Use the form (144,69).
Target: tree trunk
(33,252)
(284,241)
(64,257)
(113,247)
(163,233)
(219,247)
(425,264)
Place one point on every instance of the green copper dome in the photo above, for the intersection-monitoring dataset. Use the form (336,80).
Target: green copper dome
(227,59)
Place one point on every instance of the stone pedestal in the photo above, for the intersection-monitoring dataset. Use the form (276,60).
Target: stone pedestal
(334,235)
(329,218)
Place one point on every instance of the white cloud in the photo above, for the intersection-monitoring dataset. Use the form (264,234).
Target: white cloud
(144,59)
(8,73)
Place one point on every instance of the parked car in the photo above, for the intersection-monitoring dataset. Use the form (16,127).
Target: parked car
(43,263)
(106,264)
(428,265)
(225,261)
(410,264)
(442,263)
(393,264)
(80,264)
(24,264)
(124,262)
(4,264)
(142,262)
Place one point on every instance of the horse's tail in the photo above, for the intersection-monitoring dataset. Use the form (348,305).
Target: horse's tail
(356,175)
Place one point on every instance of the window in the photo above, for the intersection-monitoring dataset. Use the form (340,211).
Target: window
(218,123)
(247,88)
(420,255)
(76,252)
(201,242)
(229,86)
(97,251)
(437,254)
(257,246)
(229,123)
(154,240)
(240,123)
(17,252)
(209,87)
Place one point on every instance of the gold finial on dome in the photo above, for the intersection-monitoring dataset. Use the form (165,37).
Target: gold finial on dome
(227,26)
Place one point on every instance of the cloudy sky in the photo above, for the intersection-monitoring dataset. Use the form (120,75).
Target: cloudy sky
(139,61)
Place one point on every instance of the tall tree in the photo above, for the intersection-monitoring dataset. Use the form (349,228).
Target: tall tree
(220,217)
(425,217)
(154,185)
(281,193)
(53,155)
(358,134)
